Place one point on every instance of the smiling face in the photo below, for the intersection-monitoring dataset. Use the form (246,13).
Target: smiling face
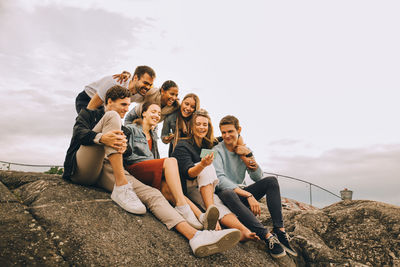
(230,134)
(188,106)
(200,128)
(120,105)
(142,85)
(152,115)
(168,97)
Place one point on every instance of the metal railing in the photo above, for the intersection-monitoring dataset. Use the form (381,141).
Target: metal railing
(27,165)
(310,185)
(8,165)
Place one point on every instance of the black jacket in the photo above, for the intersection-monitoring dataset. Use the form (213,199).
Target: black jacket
(82,135)
(187,153)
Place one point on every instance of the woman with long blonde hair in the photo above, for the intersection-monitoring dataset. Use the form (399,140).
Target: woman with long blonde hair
(177,124)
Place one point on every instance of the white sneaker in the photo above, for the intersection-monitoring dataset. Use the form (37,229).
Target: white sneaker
(210,218)
(189,216)
(127,199)
(207,242)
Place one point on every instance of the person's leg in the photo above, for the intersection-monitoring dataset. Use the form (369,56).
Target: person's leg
(111,121)
(168,195)
(226,217)
(172,178)
(89,162)
(207,180)
(244,214)
(269,187)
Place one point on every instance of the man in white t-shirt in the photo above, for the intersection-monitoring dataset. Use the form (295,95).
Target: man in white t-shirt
(92,97)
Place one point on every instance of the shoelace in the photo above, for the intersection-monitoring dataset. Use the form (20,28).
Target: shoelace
(271,241)
(287,237)
(130,196)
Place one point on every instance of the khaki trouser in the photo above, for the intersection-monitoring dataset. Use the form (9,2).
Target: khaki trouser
(93,168)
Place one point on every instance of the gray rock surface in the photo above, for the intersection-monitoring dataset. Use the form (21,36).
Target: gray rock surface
(49,222)
(63,223)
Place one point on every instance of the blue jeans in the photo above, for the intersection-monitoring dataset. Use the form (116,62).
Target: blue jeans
(267,186)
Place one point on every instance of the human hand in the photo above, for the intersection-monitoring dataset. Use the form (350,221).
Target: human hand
(250,163)
(115,139)
(242,150)
(207,160)
(169,138)
(254,205)
(123,77)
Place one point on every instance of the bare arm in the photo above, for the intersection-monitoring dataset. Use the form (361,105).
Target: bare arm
(95,102)
(197,169)
(253,203)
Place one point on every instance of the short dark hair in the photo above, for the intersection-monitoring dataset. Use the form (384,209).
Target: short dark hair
(141,70)
(168,84)
(145,107)
(116,92)
(229,119)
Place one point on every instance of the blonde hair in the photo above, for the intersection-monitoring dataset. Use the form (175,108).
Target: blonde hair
(209,138)
(182,123)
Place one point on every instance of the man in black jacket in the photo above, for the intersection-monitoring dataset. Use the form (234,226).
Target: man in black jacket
(97,139)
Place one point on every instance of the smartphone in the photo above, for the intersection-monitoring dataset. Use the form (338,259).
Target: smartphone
(204,152)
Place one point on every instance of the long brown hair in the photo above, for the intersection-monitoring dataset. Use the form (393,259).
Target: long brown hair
(145,107)
(182,123)
(209,139)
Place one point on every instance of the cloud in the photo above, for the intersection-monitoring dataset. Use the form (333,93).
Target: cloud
(372,172)
(48,53)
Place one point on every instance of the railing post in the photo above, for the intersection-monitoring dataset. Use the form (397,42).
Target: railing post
(310,196)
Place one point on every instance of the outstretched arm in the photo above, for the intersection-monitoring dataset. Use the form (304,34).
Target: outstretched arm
(95,102)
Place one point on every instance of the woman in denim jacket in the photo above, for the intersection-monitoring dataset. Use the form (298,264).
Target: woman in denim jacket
(145,164)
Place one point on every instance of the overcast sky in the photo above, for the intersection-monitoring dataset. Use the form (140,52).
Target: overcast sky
(315,84)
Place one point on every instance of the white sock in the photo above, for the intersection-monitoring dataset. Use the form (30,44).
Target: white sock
(183,208)
(201,219)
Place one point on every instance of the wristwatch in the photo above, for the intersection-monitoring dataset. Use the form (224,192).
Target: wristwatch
(249,155)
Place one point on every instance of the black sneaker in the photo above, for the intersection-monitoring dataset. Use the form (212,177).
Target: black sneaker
(274,247)
(284,238)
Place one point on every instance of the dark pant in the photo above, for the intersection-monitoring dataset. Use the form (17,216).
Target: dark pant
(268,186)
(82,100)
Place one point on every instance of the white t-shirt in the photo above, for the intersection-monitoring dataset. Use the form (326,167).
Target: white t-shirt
(101,86)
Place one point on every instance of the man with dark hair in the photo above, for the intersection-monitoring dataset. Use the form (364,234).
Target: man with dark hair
(97,139)
(93,95)
(231,163)
(95,158)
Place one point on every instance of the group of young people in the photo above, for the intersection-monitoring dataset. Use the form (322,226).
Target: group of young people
(198,190)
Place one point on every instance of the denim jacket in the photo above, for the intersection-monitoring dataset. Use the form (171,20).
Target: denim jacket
(140,148)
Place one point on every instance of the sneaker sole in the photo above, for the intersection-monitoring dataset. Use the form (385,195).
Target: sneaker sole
(224,243)
(211,218)
(277,256)
(140,211)
(290,251)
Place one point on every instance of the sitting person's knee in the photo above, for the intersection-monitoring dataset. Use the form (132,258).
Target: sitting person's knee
(227,194)
(270,181)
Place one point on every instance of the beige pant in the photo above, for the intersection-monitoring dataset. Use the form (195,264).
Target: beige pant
(94,169)
(207,176)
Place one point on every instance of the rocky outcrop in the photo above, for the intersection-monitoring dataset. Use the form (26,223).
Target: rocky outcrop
(49,222)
